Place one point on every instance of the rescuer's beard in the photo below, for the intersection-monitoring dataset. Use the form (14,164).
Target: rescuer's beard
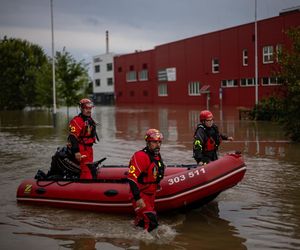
(156,151)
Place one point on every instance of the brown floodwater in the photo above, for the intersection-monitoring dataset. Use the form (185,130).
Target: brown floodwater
(261,212)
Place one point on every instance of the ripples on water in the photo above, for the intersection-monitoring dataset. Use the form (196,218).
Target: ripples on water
(262,212)
(270,204)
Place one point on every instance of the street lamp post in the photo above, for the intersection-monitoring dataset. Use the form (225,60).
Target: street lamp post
(256,58)
(53,67)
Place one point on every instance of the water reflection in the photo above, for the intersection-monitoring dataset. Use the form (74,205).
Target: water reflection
(259,213)
(178,125)
(202,226)
(208,222)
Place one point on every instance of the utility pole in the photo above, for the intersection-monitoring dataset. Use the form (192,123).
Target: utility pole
(256,58)
(53,67)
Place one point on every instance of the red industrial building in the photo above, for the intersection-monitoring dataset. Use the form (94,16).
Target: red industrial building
(213,69)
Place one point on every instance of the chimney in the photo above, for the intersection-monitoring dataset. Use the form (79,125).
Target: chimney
(107,42)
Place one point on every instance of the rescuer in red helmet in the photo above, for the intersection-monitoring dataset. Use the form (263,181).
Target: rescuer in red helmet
(146,170)
(207,139)
(82,136)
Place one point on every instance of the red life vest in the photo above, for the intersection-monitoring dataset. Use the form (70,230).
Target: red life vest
(83,130)
(146,172)
(210,143)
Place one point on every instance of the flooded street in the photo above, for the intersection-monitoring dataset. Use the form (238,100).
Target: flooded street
(261,212)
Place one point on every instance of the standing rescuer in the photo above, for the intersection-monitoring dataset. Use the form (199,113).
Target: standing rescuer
(207,139)
(146,170)
(82,136)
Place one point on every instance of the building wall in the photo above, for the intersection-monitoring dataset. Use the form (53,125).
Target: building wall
(104,93)
(139,91)
(192,58)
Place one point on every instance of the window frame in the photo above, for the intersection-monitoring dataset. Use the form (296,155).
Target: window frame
(268,54)
(97,68)
(97,82)
(131,76)
(143,75)
(215,65)
(272,81)
(162,89)
(109,81)
(245,57)
(247,80)
(194,88)
(232,83)
(278,50)
(109,67)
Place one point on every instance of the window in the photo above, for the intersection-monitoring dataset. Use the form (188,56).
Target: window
(143,75)
(97,82)
(278,51)
(245,57)
(109,81)
(194,88)
(162,90)
(272,81)
(162,75)
(268,54)
(215,65)
(97,68)
(97,59)
(109,67)
(229,83)
(120,69)
(131,76)
(247,82)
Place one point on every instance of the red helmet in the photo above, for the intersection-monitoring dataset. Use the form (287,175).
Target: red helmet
(86,103)
(153,134)
(205,115)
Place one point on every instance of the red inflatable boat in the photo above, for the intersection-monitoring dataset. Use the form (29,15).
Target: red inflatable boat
(182,186)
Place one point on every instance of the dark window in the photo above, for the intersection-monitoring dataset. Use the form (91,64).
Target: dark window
(265,80)
(97,68)
(97,82)
(110,81)
(109,67)
(215,65)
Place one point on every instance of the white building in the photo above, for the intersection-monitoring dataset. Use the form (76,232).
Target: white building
(103,77)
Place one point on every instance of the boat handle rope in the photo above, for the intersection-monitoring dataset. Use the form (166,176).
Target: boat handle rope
(50,183)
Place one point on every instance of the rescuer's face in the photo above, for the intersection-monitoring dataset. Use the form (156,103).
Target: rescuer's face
(209,122)
(154,146)
(87,111)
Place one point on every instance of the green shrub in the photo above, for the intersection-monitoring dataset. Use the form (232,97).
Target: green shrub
(268,109)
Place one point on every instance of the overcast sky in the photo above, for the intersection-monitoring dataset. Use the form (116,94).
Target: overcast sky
(80,25)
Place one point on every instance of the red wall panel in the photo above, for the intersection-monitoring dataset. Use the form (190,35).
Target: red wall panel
(192,58)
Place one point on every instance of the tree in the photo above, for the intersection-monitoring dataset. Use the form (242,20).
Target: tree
(44,86)
(289,70)
(72,78)
(88,89)
(19,64)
